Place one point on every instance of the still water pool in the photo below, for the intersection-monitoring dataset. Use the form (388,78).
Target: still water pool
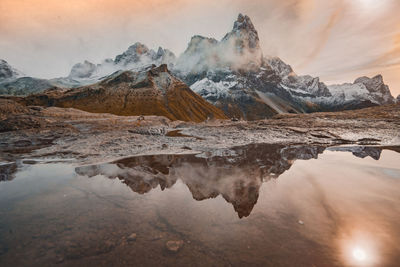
(256,205)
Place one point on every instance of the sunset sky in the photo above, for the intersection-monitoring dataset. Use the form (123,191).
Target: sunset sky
(338,40)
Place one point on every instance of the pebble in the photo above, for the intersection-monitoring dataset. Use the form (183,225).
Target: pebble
(59,259)
(301,222)
(132,237)
(174,246)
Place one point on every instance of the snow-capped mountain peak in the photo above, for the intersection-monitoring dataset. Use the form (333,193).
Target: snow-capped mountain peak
(244,24)
(234,75)
(135,53)
(244,38)
(372,89)
(140,55)
(374,85)
(7,72)
(239,49)
(136,57)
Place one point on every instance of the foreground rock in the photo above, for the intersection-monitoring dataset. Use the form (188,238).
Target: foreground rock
(132,237)
(174,246)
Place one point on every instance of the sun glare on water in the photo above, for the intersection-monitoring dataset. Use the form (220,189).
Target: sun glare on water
(360,249)
(359,254)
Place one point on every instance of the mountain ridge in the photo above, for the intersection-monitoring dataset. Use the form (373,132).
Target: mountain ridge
(153,91)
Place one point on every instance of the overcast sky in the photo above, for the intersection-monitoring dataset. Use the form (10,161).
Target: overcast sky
(338,40)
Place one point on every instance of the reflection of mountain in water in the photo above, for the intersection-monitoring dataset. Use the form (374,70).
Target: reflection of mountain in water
(366,151)
(361,151)
(7,171)
(236,174)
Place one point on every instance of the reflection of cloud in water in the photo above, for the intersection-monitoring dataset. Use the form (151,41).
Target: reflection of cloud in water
(348,203)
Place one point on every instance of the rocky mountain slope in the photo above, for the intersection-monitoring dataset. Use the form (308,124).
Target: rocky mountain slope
(234,75)
(364,90)
(154,91)
(24,85)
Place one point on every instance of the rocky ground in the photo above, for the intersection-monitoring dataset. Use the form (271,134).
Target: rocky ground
(38,132)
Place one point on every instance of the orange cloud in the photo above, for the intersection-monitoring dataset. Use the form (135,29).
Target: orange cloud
(25,15)
(323,37)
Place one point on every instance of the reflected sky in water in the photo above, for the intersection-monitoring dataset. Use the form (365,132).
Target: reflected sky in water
(266,205)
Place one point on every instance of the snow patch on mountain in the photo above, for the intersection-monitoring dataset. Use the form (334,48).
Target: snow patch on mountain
(136,57)
(139,55)
(209,89)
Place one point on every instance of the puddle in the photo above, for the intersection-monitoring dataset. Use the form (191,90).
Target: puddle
(256,205)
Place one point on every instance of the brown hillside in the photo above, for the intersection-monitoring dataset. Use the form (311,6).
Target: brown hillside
(152,92)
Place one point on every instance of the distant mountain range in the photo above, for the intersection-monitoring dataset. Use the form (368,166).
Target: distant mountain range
(232,74)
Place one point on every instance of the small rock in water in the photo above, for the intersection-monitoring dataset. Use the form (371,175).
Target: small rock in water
(301,222)
(174,246)
(132,237)
(164,146)
(59,259)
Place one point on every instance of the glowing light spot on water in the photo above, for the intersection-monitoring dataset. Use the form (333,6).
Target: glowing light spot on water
(359,254)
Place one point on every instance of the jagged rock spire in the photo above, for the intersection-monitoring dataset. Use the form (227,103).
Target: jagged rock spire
(244,37)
